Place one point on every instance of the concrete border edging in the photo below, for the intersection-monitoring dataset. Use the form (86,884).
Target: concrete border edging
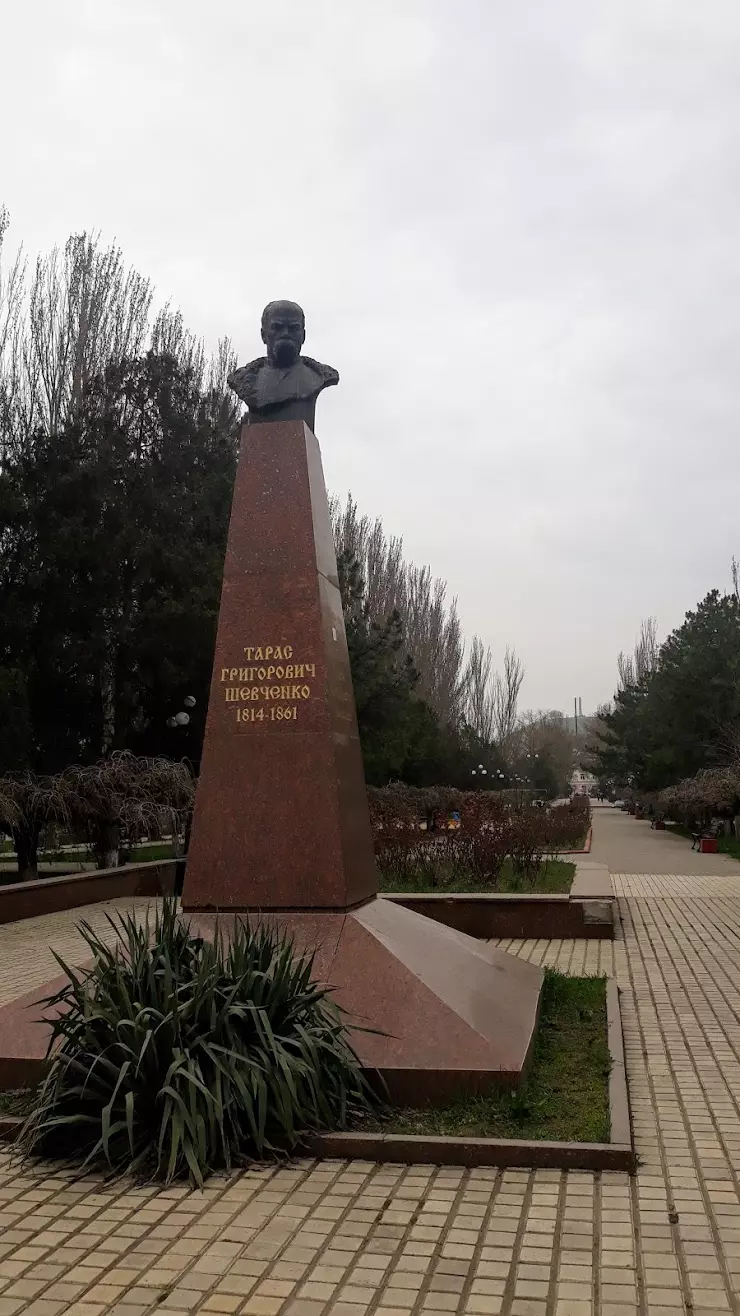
(586,911)
(400,1149)
(52,895)
(620,1123)
(586,846)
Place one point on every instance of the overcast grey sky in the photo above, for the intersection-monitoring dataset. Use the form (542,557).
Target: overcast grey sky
(515,231)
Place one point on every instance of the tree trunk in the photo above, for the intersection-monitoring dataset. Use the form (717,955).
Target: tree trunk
(26,842)
(181,864)
(108,702)
(106,846)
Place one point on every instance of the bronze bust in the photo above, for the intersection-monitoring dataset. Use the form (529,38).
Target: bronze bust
(282,385)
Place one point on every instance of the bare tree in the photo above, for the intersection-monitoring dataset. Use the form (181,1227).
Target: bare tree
(505,691)
(82,311)
(634,667)
(435,640)
(543,734)
(646,649)
(11,306)
(171,337)
(479,698)
(431,625)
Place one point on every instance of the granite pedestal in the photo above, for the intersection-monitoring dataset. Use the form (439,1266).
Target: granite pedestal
(281,818)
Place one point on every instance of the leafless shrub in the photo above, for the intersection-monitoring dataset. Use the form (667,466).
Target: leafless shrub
(696,799)
(492,826)
(127,795)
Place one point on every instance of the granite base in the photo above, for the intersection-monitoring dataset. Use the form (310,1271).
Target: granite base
(436,1012)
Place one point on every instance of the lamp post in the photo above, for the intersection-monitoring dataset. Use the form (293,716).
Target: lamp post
(182,718)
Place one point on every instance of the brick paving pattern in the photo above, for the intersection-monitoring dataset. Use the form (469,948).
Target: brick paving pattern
(351,1238)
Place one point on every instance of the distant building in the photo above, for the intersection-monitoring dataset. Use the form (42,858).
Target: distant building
(582,782)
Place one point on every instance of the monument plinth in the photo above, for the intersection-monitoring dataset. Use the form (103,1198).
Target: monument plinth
(281,818)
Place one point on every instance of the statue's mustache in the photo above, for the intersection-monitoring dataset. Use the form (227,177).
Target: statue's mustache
(285,348)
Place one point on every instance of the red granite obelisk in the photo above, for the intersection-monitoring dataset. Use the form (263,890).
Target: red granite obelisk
(281,818)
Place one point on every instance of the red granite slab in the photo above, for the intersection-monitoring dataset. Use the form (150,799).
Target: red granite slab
(449,1014)
(24,1036)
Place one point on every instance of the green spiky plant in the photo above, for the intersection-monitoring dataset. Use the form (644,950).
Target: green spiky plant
(173,1056)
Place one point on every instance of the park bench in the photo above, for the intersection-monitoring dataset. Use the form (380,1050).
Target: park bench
(711,833)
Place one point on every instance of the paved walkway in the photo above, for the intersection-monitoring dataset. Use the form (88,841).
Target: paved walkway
(350,1238)
(629,846)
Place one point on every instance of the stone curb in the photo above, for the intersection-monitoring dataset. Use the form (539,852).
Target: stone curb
(592,881)
(587,910)
(586,848)
(619,1109)
(399,1149)
(55,894)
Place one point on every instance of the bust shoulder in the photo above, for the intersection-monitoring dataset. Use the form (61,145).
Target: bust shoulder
(244,380)
(327,374)
(259,384)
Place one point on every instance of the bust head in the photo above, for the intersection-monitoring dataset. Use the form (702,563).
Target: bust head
(283,332)
(284,385)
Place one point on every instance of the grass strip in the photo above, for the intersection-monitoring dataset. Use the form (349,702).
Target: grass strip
(564,1098)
